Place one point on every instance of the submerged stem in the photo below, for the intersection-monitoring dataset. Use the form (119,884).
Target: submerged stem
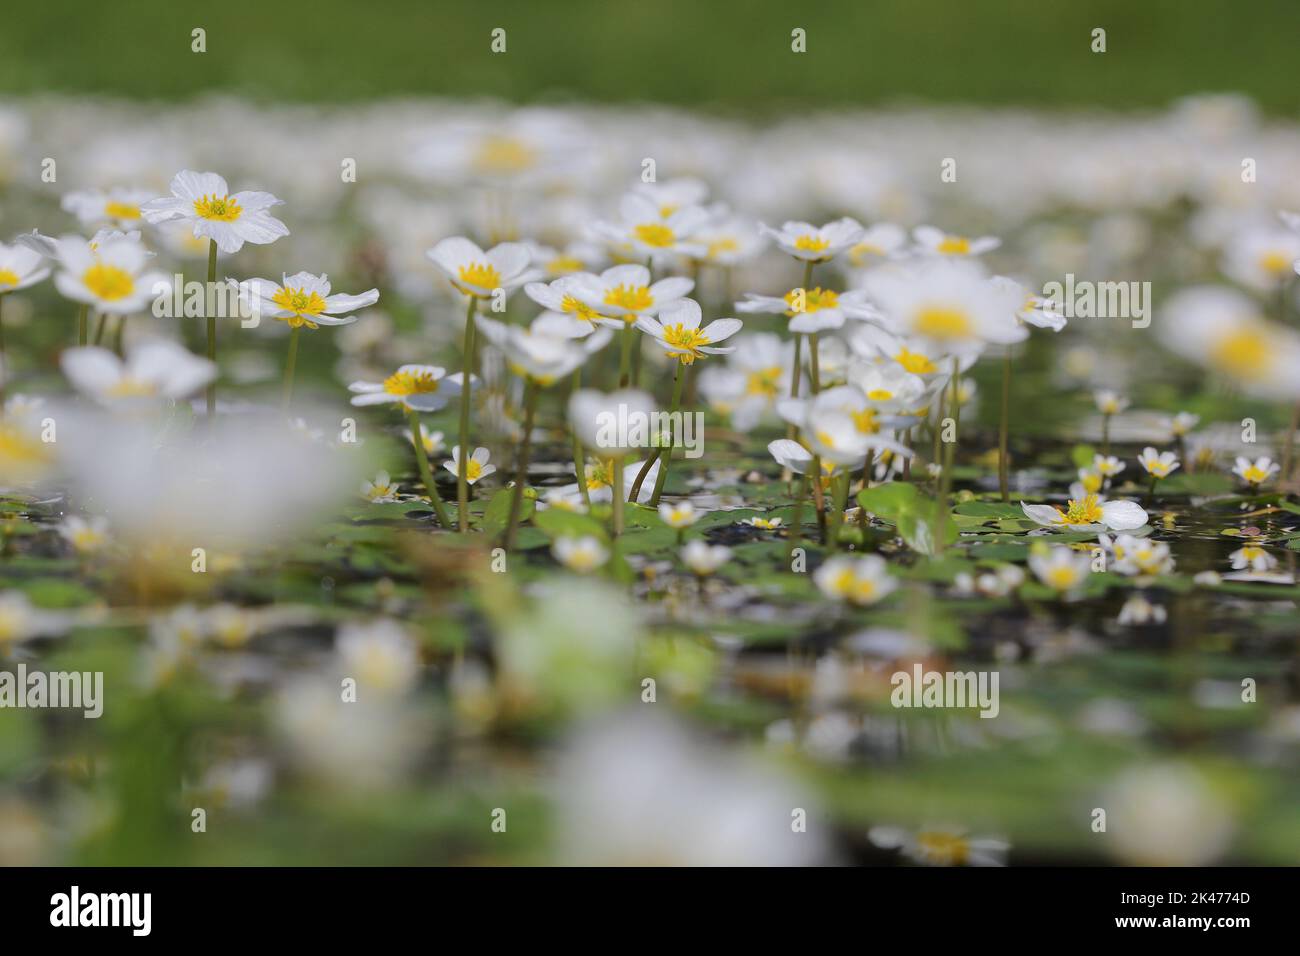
(422,463)
(467,370)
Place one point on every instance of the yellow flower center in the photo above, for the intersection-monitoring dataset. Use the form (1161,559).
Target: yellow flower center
(580,309)
(807,243)
(1254,474)
(1062,577)
(814,300)
(864,250)
(1275,262)
(411,383)
(121,210)
(128,387)
(655,234)
(8,278)
(220,208)
(472,470)
(108,283)
(764,382)
(303,304)
(381,491)
(18,451)
(504,154)
(633,298)
(1087,511)
(562,265)
(943,849)
(1251,553)
(915,362)
(1245,353)
(943,322)
(1091,482)
(600,475)
(954,246)
(480,275)
(865,421)
(685,337)
(719,246)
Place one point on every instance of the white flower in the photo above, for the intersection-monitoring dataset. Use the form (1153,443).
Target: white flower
(932,241)
(478,273)
(1253,558)
(599,476)
(946,304)
(1182,423)
(424,388)
(563,499)
(755,375)
(432,441)
(811,243)
(840,426)
(941,846)
(86,535)
(229,220)
(730,242)
(1037,311)
(646,229)
(118,207)
(584,554)
(379,655)
(1109,402)
(20,267)
(1108,466)
(21,621)
(1256,472)
(1061,569)
(680,515)
(811,310)
(703,558)
(1137,610)
(763,524)
(620,294)
(534,353)
(884,240)
(1222,330)
(861,581)
(1091,513)
(1165,815)
(1158,464)
(304,300)
(154,369)
(677,329)
(110,277)
(477,467)
(1261,258)
(596,417)
(560,297)
(381,490)
(1138,557)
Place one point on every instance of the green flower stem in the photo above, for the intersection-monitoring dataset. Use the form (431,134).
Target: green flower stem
(945,476)
(1003,424)
(4,358)
(814,362)
(422,462)
(666,455)
(99,328)
(625,354)
(796,522)
(617,495)
(290,363)
(467,369)
(212,325)
(521,472)
(119,332)
(83,323)
(579,468)
(1105,433)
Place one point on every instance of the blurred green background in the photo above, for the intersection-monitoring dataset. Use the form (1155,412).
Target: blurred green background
(729,54)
